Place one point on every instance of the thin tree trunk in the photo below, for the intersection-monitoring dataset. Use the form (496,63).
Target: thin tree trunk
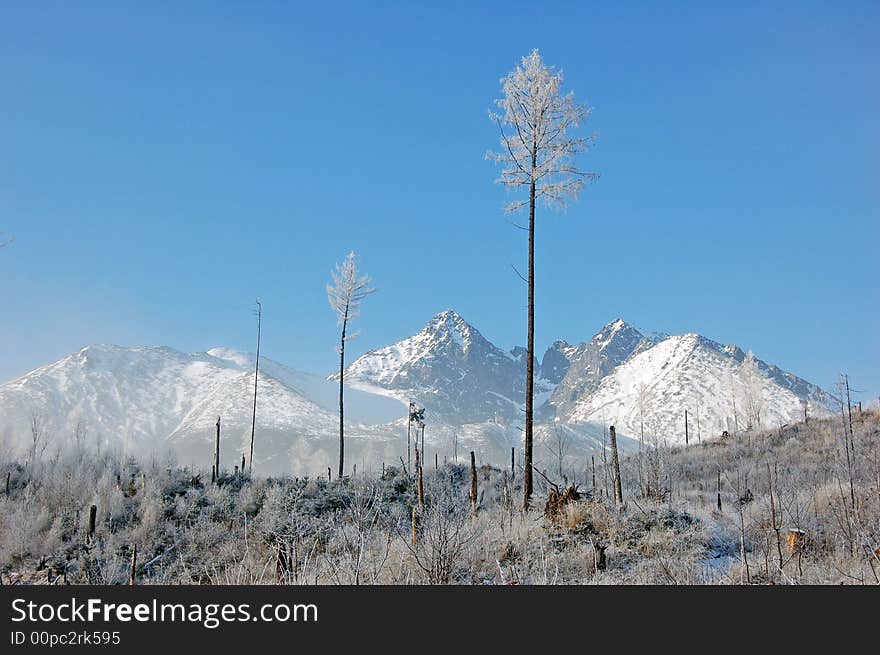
(408,431)
(530,346)
(217,451)
(615,468)
(473,494)
(341,395)
(133,568)
(256,377)
(773,516)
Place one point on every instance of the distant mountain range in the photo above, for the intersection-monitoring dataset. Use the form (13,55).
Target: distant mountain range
(152,399)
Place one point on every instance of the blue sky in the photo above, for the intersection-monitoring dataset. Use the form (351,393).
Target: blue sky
(163,164)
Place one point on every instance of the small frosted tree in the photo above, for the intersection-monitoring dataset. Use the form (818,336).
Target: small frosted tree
(753,390)
(346,293)
(537,154)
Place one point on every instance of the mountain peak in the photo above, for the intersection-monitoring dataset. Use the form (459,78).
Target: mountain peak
(449,325)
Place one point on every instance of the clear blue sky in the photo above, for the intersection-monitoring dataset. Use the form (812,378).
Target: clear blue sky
(162,164)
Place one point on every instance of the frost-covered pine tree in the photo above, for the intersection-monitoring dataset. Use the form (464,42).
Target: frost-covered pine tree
(346,294)
(537,154)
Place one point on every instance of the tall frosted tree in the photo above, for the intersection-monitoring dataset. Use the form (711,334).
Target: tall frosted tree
(537,155)
(346,293)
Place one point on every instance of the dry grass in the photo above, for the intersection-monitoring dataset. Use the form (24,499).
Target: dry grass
(357,531)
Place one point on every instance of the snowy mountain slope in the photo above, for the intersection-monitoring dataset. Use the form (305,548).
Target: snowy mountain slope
(651,390)
(588,363)
(152,399)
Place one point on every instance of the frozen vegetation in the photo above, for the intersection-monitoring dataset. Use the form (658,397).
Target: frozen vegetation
(798,505)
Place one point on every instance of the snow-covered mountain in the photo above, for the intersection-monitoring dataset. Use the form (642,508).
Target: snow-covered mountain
(450,369)
(578,370)
(619,375)
(149,399)
(154,399)
(649,392)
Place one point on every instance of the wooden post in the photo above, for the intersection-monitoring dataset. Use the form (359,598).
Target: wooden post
(512,462)
(143,482)
(436,461)
(686,439)
(719,490)
(134,559)
(473,493)
(615,468)
(593,461)
(329,475)
(8,475)
(93,512)
(217,451)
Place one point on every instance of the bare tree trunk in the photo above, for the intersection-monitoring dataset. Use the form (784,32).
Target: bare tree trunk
(615,468)
(773,516)
(530,346)
(593,462)
(421,489)
(604,464)
(134,559)
(93,512)
(742,544)
(256,377)
(341,395)
(408,431)
(686,439)
(473,494)
(217,451)
(512,462)
(414,534)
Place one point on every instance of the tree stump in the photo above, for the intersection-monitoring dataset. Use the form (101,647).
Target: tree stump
(93,512)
